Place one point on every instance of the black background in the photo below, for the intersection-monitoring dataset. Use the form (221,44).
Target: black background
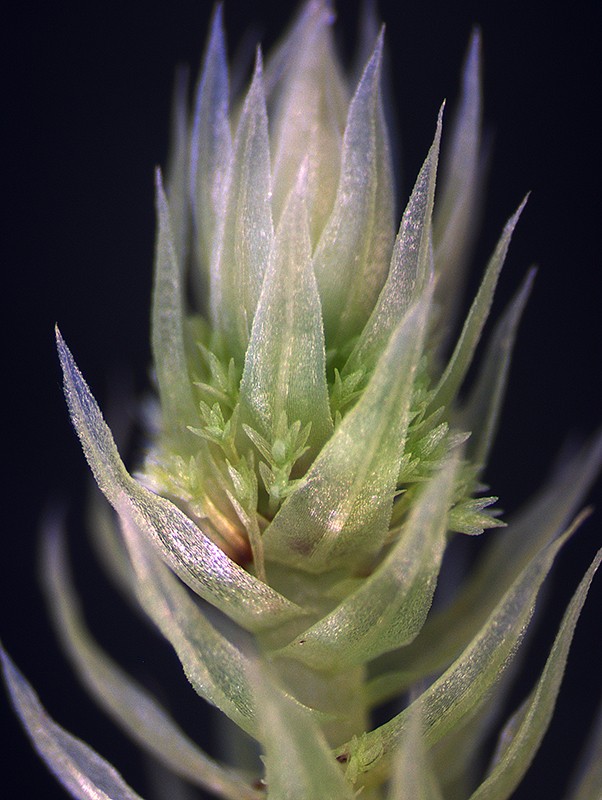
(87,98)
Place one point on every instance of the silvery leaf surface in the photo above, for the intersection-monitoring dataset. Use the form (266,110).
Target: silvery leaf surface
(353,254)
(285,365)
(522,734)
(245,230)
(468,682)
(409,268)
(182,544)
(448,631)
(85,774)
(389,607)
(128,703)
(340,513)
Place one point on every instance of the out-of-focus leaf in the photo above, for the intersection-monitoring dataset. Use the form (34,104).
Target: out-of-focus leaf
(389,607)
(352,256)
(413,777)
(587,779)
(245,231)
(458,209)
(409,268)
(340,513)
(131,706)
(299,763)
(211,142)
(182,544)
(522,735)
(85,774)
(169,356)
(284,376)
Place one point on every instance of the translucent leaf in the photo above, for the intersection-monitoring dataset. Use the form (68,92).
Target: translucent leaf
(413,776)
(131,706)
(389,607)
(481,412)
(522,735)
(169,356)
(340,513)
(182,544)
(458,207)
(352,256)
(285,366)
(409,268)
(245,235)
(586,782)
(447,632)
(311,81)
(211,142)
(85,774)
(468,682)
(299,763)
(461,358)
(178,169)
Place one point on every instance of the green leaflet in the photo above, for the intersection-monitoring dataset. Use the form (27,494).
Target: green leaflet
(299,764)
(458,210)
(409,268)
(340,513)
(447,632)
(177,170)
(522,735)
(413,777)
(211,143)
(183,545)
(85,774)
(169,356)
(587,779)
(284,375)
(389,607)
(245,235)
(466,685)
(132,708)
(461,358)
(481,412)
(312,80)
(352,256)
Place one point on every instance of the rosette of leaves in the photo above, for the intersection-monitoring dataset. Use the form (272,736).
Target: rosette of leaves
(313,452)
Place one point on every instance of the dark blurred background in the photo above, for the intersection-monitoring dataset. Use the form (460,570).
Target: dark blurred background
(87,94)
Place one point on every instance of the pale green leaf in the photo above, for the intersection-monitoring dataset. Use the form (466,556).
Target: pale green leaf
(413,777)
(245,234)
(480,413)
(409,268)
(169,355)
(299,763)
(340,513)
(182,544)
(389,607)
(461,358)
(211,142)
(285,365)
(522,735)
(459,201)
(447,632)
(85,774)
(467,684)
(130,705)
(352,256)
(178,168)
